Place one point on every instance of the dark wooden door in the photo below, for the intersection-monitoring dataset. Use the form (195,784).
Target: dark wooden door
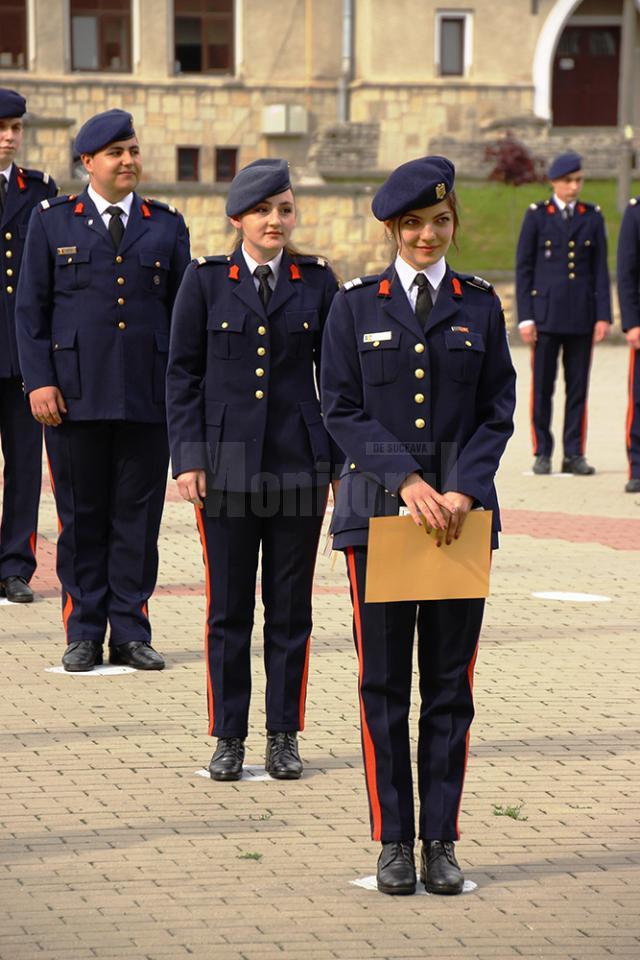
(585,77)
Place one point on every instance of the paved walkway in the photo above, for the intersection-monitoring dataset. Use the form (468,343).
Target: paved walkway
(112,846)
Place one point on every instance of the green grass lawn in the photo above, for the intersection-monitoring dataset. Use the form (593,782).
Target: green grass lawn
(492,213)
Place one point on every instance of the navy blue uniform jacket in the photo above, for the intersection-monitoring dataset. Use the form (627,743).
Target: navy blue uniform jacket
(95,321)
(399,400)
(629,266)
(242,399)
(25,190)
(562,277)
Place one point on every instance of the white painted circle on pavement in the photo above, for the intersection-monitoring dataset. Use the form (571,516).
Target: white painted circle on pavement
(369,883)
(530,473)
(249,772)
(104,671)
(571,597)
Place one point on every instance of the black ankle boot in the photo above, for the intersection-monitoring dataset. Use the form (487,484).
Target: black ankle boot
(396,872)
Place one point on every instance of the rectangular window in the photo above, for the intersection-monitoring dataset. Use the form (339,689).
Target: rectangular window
(101,35)
(13,34)
(451,47)
(453,43)
(188,163)
(226,164)
(204,36)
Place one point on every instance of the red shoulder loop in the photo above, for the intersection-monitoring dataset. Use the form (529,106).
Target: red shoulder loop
(21,184)
(457,289)
(384,288)
(551,208)
(581,208)
(79,208)
(234,272)
(294,271)
(146,213)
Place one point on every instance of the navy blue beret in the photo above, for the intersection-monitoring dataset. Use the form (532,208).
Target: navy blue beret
(103,129)
(418,183)
(565,164)
(256,182)
(11,104)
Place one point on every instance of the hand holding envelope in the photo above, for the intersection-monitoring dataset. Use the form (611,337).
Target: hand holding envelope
(405,563)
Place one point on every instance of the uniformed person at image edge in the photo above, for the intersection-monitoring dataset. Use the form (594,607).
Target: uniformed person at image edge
(564,303)
(20,191)
(100,275)
(629,298)
(247,439)
(418,389)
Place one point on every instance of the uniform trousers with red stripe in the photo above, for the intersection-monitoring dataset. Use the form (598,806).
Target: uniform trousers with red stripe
(448,633)
(233,527)
(109,479)
(633,416)
(21,438)
(576,361)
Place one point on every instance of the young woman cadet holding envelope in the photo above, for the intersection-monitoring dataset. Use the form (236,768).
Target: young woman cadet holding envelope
(418,389)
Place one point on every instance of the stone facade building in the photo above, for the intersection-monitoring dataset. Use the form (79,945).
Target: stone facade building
(345,89)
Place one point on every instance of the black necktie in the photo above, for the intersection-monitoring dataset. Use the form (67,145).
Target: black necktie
(424,302)
(567,213)
(116,227)
(262,274)
(3,190)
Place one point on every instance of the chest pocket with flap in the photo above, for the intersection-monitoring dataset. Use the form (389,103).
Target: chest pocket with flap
(225,330)
(465,355)
(380,360)
(73,270)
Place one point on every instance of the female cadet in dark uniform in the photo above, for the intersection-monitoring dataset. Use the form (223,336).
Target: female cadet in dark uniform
(418,389)
(247,438)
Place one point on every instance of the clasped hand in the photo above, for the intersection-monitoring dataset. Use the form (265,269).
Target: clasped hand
(443,512)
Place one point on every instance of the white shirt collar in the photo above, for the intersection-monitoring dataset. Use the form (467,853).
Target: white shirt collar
(561,204)
(101,204)
(274,264)
(7,172)
(434,273)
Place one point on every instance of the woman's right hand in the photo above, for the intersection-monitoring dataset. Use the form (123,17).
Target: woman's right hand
(423,501)
(192,486)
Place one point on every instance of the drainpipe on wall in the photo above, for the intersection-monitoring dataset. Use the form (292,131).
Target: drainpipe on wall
(346,72)
(625,101)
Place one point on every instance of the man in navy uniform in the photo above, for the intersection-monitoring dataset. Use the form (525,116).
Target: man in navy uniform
(564,301)
(629,297)
(20,191)
(100,275)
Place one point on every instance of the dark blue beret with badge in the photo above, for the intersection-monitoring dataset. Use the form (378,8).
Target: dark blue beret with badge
(418,183)
(255,182)
(565,164)
(12,104)
(102,129)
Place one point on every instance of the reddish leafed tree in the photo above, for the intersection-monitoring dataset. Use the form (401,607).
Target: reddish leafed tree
(513,163)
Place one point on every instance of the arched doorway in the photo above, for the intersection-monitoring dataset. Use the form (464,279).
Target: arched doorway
(576,63)
(586,68)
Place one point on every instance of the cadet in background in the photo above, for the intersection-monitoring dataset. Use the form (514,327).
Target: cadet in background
(20,191)
(250,450)
(629,298)
(101,271)
(564,303)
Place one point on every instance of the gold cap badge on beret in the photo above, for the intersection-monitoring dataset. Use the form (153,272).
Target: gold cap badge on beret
(440,191)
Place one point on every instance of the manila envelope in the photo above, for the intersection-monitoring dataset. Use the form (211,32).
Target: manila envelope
(404,563)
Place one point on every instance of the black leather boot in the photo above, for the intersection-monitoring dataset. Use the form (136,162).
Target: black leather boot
(226,762)
(282,759)
(439,870)
(81,656)
(396,873)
